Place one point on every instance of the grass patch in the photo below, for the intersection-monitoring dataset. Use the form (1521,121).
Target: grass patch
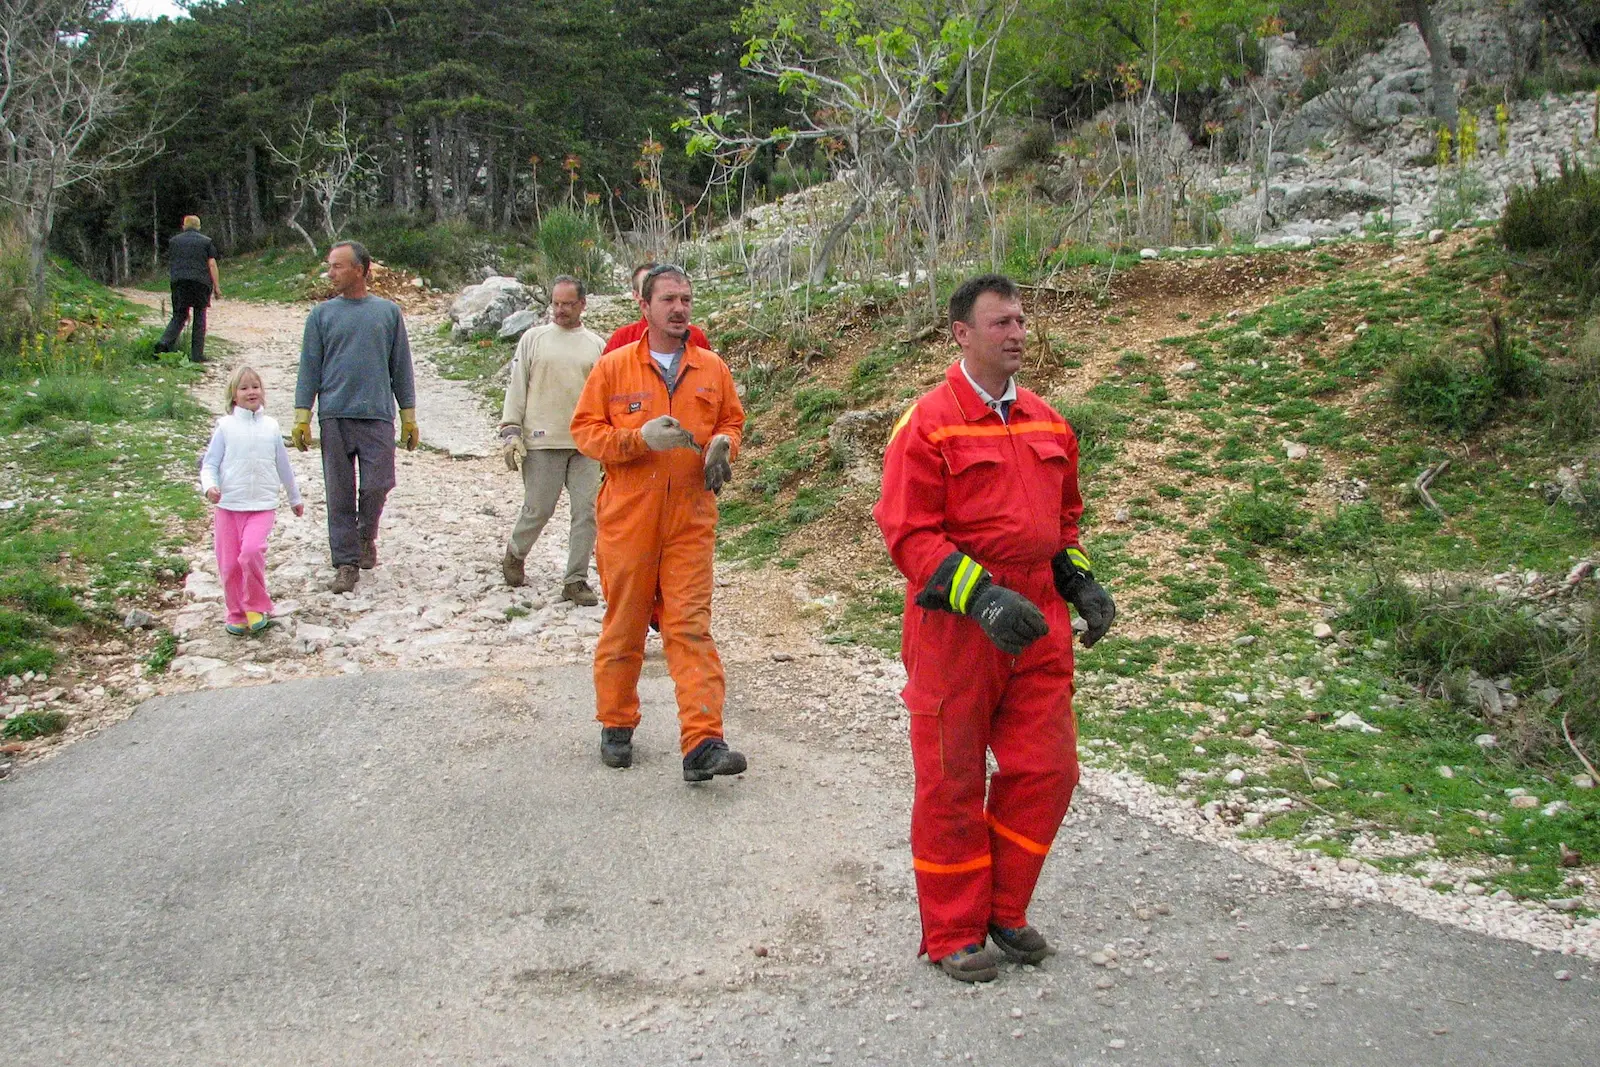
(34,724)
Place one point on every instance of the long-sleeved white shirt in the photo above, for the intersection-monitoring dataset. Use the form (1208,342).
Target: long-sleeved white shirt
(546,379)
(246,459)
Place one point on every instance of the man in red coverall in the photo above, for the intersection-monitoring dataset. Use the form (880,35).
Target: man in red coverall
(980,511)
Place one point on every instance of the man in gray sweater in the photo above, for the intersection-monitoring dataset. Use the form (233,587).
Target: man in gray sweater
(355,366)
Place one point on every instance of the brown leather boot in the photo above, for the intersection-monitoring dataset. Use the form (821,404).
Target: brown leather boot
(511,568)
(369,554)
(345,580)
(580,594)
(975,963)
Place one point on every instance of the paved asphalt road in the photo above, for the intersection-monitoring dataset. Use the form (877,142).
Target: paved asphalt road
(434,868)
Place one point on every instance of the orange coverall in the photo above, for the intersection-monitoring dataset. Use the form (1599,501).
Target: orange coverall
(657,524)
(958,478)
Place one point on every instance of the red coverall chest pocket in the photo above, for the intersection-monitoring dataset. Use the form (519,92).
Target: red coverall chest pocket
(977,488)
(1050,470)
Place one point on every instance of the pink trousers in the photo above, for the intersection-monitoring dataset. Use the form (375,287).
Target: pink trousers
(242,561)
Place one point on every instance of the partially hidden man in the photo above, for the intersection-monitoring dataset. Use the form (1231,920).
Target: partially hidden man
(980,511)
(662,417)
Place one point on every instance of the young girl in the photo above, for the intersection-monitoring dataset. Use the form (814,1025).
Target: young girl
(242,469)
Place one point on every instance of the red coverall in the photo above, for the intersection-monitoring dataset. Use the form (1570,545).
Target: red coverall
(657,525)
(958,478)
(626,335)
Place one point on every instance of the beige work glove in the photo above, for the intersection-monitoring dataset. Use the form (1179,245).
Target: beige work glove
(512,449)
(718,468)
(410,436)
(300,435)
(663,433)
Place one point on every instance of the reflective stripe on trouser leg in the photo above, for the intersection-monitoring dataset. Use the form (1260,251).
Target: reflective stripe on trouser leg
(1034,739)
(685,580)
(949,738)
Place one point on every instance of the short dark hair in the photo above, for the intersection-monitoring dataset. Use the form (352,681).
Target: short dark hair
(358,250)
(660,272)
(967,294)
(567,279)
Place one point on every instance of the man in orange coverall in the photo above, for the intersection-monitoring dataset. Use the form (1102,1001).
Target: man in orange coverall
(627,335)
(980,511)
(663,418)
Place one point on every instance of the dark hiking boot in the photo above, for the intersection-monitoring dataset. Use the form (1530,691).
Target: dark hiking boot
(712,757)
(511,570)
(975,963)
(580,594)
(1021,943)
(616,746)
(346,578)
(369,553)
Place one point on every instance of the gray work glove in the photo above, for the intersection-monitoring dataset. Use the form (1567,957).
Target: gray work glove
(1011,620)
(512,450)
(663,433)
(1075,583)
(718,469)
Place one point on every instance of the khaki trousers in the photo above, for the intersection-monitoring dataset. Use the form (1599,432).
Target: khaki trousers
(544,472)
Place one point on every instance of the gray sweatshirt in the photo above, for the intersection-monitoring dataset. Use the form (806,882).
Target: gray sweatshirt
(355,360)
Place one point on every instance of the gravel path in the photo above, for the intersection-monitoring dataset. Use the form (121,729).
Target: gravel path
(436,600)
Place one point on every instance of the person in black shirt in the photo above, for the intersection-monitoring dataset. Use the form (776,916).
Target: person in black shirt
(194,283)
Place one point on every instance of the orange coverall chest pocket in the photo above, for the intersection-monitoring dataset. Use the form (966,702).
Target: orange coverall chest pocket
(630,410)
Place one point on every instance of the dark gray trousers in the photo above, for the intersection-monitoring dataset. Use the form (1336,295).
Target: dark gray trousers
(187,297)
(354,511)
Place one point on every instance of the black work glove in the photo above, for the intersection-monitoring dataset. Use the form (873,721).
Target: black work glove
(1077,587)
(962,587)
(1011,620)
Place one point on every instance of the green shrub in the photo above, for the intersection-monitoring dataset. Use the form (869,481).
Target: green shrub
(32,724)
(1558,220)
(1350,529)
(1573,397)
(1097,427)
(1441,392)
(570,242)
(1261,518)
(816,405)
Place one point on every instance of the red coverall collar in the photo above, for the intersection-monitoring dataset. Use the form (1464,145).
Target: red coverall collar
(971,405)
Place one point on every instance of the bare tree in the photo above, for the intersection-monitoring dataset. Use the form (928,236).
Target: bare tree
(903,96)
(66,114)
(324,162)
(1441,79)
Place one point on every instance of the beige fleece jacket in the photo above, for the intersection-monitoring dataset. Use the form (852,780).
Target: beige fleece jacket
(547,375)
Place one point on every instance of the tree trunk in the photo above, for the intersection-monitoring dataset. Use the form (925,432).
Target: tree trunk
(252,194)
(508,206)
(819,267)
(40,221)
(491,189)
(1442,78)
(436,169)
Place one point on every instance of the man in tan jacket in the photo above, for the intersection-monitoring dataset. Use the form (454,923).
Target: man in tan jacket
(547,376)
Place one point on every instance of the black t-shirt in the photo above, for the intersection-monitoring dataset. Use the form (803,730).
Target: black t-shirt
(189,251)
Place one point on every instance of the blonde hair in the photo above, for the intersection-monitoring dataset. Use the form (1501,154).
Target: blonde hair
(191,222)
(236,379)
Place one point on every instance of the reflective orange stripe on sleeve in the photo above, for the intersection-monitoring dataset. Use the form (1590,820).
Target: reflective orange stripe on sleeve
(1037,426)
(1025,843)
(927,867)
